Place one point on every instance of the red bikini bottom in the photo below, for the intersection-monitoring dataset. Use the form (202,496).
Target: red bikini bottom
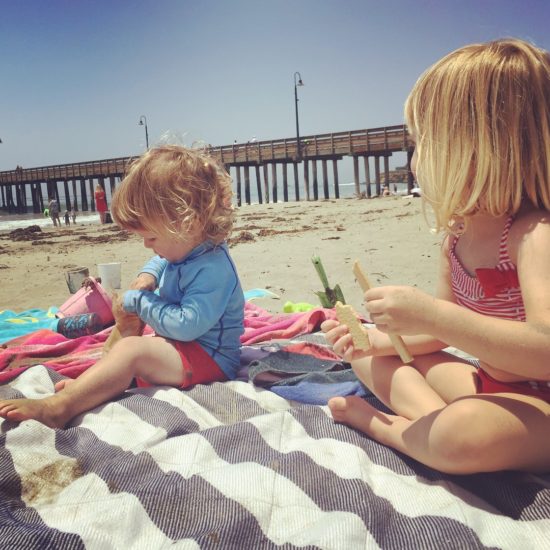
(535,388)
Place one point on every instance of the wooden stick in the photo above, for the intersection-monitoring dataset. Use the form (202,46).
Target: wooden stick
(396,340)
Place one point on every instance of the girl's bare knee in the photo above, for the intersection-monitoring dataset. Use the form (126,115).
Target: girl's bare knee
(454,441)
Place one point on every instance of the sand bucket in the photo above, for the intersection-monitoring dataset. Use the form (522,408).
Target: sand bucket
(109,274)
(93,299)
(74,278)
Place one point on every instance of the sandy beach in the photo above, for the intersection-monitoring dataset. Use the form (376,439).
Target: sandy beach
(272,245)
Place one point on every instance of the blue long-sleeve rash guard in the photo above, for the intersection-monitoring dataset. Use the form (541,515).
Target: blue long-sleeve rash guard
(200,298)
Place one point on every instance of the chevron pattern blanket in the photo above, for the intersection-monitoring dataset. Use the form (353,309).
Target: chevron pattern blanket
(230,465)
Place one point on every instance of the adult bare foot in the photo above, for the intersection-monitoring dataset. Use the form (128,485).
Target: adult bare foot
(44,410)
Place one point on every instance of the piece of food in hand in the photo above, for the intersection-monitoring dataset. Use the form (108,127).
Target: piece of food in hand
(347,316)
(396,340)
(126,324)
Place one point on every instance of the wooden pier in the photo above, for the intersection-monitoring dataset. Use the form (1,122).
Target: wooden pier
(240,159)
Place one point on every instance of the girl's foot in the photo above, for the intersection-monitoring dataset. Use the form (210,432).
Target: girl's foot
(358,414)
(44,410)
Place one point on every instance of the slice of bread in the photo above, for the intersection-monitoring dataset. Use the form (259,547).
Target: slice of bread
(347,316)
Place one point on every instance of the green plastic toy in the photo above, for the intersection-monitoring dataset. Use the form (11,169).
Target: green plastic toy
(329,296)
(294,307)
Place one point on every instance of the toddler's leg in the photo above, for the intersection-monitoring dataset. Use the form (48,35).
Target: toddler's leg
(152,358)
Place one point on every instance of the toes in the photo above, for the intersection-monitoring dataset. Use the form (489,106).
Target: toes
(337,404)
(62,384)
(14,414)
(5,408)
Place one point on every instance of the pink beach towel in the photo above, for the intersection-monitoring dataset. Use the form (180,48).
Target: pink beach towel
(72,357)
(261,326)
(46,347)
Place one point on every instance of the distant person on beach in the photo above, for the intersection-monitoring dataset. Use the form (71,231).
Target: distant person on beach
(73,215)
(53,211)
(481,120)
(386,191)
(178,201)
(67,218)
(100,202)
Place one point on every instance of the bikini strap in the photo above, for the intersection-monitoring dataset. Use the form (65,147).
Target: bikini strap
(503,255)
(453,239)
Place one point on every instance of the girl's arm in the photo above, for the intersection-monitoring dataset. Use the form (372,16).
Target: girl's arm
(418,344)
(519,348)
(421,344)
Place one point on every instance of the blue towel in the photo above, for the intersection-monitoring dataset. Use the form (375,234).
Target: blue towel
(14,324)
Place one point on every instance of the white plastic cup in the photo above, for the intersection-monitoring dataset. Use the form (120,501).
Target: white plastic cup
(109,274)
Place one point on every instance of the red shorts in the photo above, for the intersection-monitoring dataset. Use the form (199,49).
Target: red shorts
(198,366)
(487,384)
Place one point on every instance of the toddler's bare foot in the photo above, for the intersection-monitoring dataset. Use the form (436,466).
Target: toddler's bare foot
(62,384)
(358,414)
(44,410)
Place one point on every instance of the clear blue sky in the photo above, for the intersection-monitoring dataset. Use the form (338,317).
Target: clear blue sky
(77,74)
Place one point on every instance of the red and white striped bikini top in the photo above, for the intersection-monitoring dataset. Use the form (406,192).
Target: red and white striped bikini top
(493,291)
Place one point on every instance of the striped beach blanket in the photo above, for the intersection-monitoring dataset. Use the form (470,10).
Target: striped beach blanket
(230,465)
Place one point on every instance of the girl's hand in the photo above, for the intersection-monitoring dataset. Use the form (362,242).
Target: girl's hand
(401,309)
(339,337)
(144,281)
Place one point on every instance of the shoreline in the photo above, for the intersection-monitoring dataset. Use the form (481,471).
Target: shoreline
(9,221)
(271,244)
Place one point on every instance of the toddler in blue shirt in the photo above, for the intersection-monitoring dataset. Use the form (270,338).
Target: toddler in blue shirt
(179,201)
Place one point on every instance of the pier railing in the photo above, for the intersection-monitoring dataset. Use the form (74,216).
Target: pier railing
(387,139)
(372,141)
(96,168)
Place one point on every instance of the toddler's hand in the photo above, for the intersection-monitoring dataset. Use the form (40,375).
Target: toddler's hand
(342,344)
(144,281)
(401,309)
(117,308)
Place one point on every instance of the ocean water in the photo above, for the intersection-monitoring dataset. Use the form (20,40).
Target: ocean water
(8,222)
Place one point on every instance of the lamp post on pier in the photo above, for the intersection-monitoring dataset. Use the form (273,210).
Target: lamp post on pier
(143,122)
(296,84)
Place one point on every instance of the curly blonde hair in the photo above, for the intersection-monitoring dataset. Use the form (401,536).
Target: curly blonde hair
(171,187)
(481,120)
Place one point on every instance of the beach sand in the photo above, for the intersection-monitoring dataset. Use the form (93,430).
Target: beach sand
(272,245)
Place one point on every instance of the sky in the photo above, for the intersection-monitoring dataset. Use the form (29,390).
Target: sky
(77,75)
